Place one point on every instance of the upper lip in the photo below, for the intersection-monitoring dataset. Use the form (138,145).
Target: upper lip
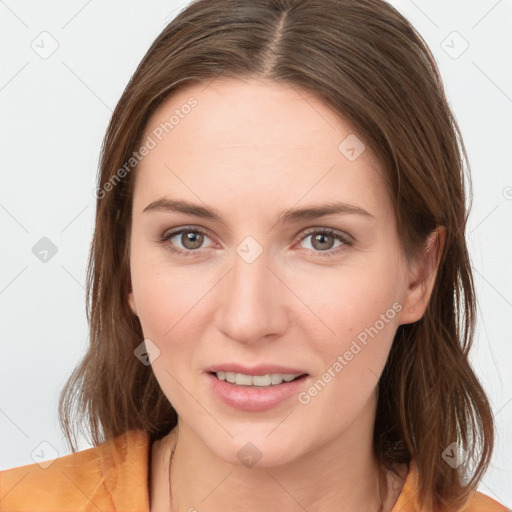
(262,369)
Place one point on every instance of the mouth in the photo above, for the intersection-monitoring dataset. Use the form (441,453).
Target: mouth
(257,381)
(257,390)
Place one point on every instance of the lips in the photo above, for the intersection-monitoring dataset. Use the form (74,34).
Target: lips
(254,398)
(262,369)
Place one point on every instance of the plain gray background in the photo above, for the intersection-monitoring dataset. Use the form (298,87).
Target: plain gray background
(54,113)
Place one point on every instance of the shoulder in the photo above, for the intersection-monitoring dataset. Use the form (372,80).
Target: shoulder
(408,498)
(479,502)
(103,477)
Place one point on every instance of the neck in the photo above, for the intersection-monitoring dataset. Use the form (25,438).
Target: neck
(341,474)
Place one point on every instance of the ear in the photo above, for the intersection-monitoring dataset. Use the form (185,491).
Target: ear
(131,302)
(131,299)
(422,277)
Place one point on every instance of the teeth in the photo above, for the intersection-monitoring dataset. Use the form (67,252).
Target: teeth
(256,380)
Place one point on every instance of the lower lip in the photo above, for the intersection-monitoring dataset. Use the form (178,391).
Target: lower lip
(254,398)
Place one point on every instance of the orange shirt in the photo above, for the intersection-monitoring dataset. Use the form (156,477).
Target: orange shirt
(114,476)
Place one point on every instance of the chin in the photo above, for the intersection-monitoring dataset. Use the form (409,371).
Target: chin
(256,449)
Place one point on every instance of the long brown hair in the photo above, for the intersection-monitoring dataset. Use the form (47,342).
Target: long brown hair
(366,61)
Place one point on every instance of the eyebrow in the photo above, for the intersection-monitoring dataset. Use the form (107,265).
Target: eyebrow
(288,217)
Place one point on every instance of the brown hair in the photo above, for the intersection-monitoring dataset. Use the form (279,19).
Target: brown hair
(366,61)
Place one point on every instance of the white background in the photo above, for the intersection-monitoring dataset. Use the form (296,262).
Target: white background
(54,113)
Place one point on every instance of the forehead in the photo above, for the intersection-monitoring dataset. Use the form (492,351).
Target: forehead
(237,137)
(249,113)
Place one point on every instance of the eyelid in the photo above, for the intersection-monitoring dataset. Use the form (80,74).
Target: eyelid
(326,230)
(171,232)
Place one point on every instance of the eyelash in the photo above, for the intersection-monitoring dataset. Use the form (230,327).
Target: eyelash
(338,235)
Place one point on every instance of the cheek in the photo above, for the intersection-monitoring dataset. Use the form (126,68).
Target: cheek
(156,307)
(364,318)
(163,294)
(359,311)
(351,300)
(166,303)
(171,306)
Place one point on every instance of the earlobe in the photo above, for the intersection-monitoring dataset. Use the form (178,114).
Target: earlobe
(423,277)
(131,302)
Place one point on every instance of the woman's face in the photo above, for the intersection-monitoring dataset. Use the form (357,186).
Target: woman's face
(256,277)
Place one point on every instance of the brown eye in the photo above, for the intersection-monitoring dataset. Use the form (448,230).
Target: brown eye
(323,240)
(184,242)
(191,239)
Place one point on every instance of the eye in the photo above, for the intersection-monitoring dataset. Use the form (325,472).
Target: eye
(188,241)
(189,238)
(323,240)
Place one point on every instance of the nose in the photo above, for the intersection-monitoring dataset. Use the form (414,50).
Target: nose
(253,302)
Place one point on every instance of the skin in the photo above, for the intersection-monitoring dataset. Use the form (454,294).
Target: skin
(254,149)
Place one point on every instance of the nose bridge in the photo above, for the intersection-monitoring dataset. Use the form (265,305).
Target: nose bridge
(251,303)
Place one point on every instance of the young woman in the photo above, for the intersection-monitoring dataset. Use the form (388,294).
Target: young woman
(281,298)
